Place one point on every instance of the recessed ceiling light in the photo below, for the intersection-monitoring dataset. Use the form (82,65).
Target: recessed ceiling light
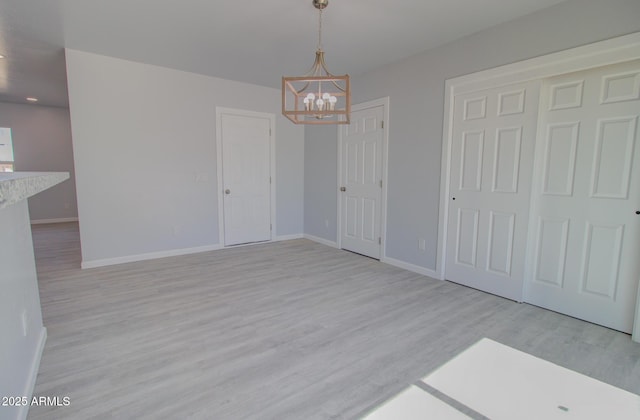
(32,99)
(1,56)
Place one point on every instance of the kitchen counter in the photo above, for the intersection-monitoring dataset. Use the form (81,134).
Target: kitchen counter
(16,186)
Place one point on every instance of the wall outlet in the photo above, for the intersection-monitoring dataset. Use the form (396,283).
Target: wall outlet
(422,244)
(326,223)
(177,230)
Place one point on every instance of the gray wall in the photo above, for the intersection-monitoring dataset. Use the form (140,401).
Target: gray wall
(42,142)
(416,90)
(142,135)
(321,181)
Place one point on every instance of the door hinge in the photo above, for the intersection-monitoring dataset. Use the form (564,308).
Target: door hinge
(382,124)
(380,183)
(269,180)
(269,131)
(379,240)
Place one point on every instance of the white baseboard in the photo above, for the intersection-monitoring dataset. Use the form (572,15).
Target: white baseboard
(320,240)
(33,373)
(287,237)
(47,221)
(391,261)
(171,253)
(148,256)
(410,267)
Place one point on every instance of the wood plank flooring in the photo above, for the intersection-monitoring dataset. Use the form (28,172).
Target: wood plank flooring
(287,330)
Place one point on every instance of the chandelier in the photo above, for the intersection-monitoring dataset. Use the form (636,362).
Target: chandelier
(318,97)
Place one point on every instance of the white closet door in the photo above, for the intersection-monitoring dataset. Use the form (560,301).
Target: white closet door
(585,249)
(491,165)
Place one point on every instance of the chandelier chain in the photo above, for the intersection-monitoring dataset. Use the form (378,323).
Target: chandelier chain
(320,29)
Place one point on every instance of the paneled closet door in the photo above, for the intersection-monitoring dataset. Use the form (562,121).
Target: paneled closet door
(585,249)
(491,165)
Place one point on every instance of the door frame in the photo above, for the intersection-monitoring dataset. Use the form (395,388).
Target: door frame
(384,102)
(598,54)
(220,111)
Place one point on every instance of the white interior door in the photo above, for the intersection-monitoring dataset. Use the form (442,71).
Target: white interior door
(586,245)
(361,183)
(491,165)
(246,178)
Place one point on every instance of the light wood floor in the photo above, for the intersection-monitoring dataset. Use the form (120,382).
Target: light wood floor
(288,330)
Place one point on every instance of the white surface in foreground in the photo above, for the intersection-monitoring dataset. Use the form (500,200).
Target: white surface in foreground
(503,383)
(414,403)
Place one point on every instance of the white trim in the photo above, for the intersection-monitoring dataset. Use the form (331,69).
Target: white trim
(220,188)
(272,171)
(612,51)
(287,237)
(272,165)
(597,54)
(384,102)
(339,195)
(410,267)
(635,336)
(33,373)
(320,240)
(248,244)
(275,239)
(47,221)
(445,177)
(148,256)
(386,260)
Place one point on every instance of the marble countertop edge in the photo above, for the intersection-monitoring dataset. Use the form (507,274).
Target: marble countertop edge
(17,186)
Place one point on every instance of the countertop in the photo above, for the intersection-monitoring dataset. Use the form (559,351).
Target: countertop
(16,186)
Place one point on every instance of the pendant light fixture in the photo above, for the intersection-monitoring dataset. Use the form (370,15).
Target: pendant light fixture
(318,97)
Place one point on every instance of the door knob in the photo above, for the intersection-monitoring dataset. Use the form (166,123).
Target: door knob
(343,189)
(637,211)
(227,191)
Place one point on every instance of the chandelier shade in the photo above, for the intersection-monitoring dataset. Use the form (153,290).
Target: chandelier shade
(318,97)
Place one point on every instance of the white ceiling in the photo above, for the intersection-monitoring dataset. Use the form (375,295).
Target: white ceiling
(249,41)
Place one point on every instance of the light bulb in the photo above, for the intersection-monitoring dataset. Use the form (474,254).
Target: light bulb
(308,101)
(332,103)
(320,104)
(326,96)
